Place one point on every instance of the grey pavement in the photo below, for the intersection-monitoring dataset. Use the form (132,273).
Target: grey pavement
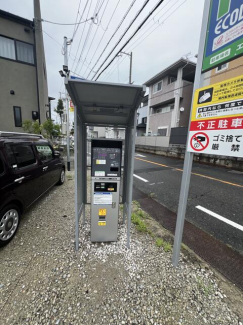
(216,189)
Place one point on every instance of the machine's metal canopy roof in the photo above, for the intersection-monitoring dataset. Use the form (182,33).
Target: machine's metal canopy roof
(102,103)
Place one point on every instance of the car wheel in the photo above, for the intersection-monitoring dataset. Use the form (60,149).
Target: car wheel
(9,222)
(61,178)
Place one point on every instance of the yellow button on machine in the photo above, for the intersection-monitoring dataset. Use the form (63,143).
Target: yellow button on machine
(102,212)
(101,223)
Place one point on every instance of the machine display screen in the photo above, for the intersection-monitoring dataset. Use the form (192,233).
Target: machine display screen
(106,161)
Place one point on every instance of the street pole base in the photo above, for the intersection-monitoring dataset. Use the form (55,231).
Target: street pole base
(68,166)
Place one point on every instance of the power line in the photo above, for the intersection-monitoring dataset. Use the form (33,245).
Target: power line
(126,30)
(71,54)
(148,34)
(83,28)
(51,22)
(103,35)
(82,35)
(97,27)
(118,27)
(114,67)
(136,31)
(89,30)
(75,29)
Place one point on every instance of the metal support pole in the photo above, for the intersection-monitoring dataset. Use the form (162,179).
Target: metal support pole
(130,71)
(125,175)
(84,169)
(76,179)
(132,136)
(188,155)
(67,105)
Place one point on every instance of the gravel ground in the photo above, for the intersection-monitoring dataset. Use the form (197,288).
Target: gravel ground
(43,280)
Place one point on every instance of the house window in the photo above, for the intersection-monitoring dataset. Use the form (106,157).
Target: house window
(25,52)
(16,50)
(165,109)
(7,48)
(157,87)
(222,67)
(144,120)
(162,131)
(171,80)
(17,116)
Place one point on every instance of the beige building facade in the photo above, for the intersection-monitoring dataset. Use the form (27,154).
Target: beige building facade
(223,72)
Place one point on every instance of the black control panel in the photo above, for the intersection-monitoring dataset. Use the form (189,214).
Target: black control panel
(106,158)
(105,187)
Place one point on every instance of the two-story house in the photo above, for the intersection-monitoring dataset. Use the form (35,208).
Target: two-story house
(23,77)
(170,95)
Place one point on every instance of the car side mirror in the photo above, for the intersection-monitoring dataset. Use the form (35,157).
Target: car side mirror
(57,154)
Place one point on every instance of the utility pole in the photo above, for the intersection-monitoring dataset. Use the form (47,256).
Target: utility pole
(130,70)
(66,43)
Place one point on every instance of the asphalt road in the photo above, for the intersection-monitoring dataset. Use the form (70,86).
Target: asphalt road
(216,189)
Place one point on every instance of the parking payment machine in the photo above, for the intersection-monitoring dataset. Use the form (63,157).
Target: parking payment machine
(106,156)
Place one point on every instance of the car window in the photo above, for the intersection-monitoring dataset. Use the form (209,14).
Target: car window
(24,155)
(1,166)
(45,152)
(10,155)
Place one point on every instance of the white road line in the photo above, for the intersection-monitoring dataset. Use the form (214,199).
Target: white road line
(142,179)
(138,155)
(215,215)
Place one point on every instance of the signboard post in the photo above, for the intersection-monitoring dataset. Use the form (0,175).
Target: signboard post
(189,155)
(217,110)
(225,33)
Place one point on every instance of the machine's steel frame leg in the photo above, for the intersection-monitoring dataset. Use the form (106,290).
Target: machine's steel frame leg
(125,177)
(132,137)
(84,170)
(76,180)
(185,184)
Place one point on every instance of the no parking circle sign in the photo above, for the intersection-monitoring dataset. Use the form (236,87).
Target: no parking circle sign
(199,141)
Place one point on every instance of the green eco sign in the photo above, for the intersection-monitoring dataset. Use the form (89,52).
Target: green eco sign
(225,33)
(223,9)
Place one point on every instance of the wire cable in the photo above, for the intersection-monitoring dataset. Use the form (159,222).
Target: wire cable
(129,48)
(75,29)
(103,35)
(130,38)
(83,28)
(97,27)
(65,24)
(146,30)
(118,27)
(72,57)
(96,11)
(124,33)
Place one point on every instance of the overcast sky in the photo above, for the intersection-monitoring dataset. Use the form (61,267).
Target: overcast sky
(174,27)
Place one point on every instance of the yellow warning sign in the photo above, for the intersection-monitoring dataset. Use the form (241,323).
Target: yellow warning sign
(102,212)
(101,223)
(223,99)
